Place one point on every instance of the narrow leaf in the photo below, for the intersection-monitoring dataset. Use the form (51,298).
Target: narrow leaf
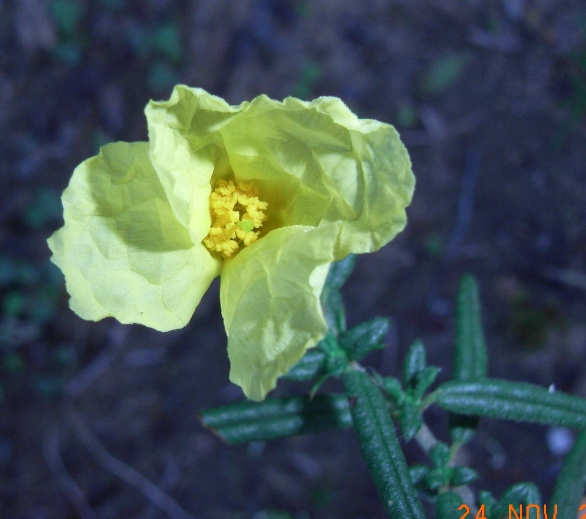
(393,387)
(571,483)
(519,494)
(411,420)
(380,447)
(438,478)
(418,473)
(310,366)
(331,299)
(448,506)
(414,363)
(462,427)
(470,356)
(463,476)
(364,338)
(440,454)
(336,358)
(486,499)
(340,271)
(518,401)
(425,378)
(333,307)
(277,418)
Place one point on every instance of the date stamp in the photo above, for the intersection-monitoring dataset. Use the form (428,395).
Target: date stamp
(529,511)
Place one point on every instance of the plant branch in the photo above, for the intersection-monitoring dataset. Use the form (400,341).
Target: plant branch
(128,474)
(66,483)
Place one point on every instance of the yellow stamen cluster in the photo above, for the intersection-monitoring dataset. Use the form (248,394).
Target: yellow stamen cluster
(236,211)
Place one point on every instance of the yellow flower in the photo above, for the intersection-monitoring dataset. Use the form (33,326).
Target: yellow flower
(265,194)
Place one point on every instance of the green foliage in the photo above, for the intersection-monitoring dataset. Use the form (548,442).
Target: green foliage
(311,366)
(414,363)
(364,338)
(470,361)
(161,76)
(277,418)
(310,73)
(29,292)
(371,403)
(519,494)
(406,116)
(43,210)
(67,15)
(444,73)
(571,484)
(380,446)
(447,504)
(463,476)
(331,298)
(165,41)
(518,401)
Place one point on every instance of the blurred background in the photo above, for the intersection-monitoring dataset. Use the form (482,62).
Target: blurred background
(490,99)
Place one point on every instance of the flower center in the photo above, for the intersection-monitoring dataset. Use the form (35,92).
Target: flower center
(236,211)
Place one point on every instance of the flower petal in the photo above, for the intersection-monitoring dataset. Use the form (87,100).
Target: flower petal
(314,162)
(186,149)
(123,252)
(317,163)
(270,298)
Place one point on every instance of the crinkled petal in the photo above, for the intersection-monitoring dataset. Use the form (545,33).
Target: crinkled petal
(317,163)
(186,149)
(270,298)
(123,252)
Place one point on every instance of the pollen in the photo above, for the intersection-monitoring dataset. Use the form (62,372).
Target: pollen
(236,211)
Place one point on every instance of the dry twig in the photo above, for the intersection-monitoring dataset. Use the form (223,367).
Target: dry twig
(66,483)
(128,474)
(116,340)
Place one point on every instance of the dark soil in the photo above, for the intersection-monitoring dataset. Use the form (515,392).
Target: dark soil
(490,99)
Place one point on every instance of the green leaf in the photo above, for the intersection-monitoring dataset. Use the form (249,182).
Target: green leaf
(333,307)
(418,473)
(364,338)
(462,427)
(487,499)
(440,454)
(277,418)
(331,298)
(470,357)
(340,271)
(393,387)
(380,447)
(310,366)
(438,478)
(414,363)
(463,476)
(425,378)
(336,359)
(519,494)
(410,419)
(518,401)
(571,482)
(447,504)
